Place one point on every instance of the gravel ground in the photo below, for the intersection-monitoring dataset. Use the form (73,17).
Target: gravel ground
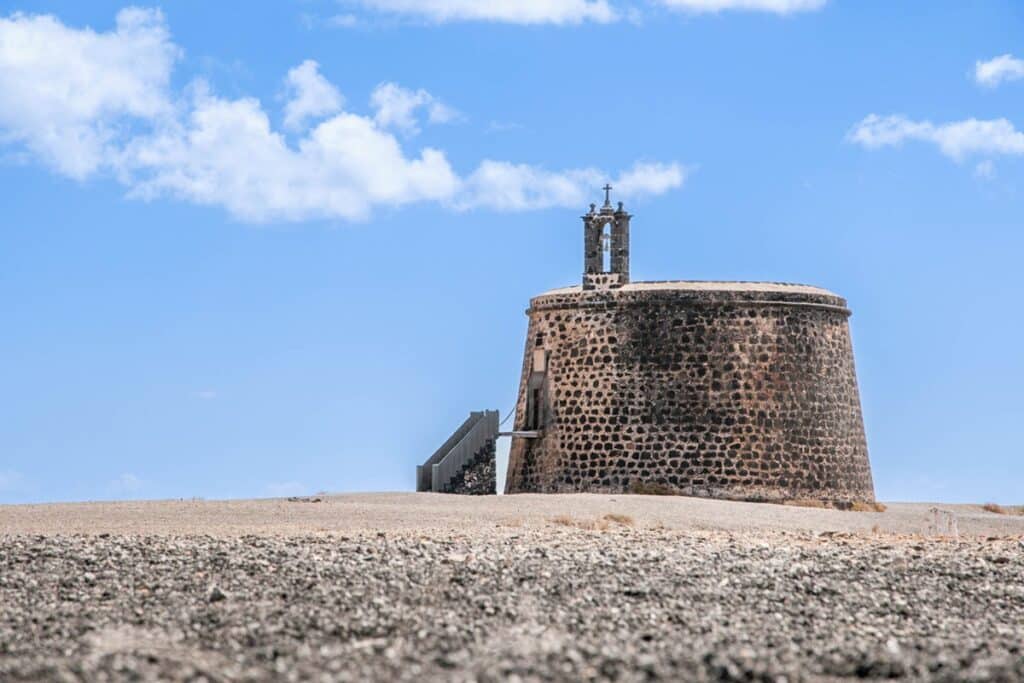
(568,598)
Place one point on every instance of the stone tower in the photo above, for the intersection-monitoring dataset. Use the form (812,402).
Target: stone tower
(737,390)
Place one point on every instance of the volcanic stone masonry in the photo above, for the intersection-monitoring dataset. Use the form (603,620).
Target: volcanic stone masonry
(479,478)
(736,390)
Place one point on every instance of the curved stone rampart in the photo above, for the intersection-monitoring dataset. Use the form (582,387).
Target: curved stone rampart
(729,390)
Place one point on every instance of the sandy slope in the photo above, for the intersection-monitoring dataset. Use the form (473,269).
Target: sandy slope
(426,511)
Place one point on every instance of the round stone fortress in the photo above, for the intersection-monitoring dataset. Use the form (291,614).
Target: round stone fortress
(735,390)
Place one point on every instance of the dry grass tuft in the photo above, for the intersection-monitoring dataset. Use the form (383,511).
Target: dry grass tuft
(601,524)
(869,507)
(623,520)
(593,524)
(997,509)
(831,505)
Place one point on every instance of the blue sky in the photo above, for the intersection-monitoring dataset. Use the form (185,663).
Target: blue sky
(254,249)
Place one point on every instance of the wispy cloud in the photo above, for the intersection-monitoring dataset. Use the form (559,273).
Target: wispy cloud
(773,6)
(206,394)
(563,12)
(651,178)
(507,11)
(997,70)
(503,126)
(343,21)
(87,104)
(986,170)
(957,139)
(520,187)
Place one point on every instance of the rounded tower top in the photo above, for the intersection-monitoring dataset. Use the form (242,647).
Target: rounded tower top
(693,293)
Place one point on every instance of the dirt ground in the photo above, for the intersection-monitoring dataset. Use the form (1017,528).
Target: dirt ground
(387,512)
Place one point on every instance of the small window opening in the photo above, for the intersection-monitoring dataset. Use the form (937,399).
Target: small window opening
(606,248)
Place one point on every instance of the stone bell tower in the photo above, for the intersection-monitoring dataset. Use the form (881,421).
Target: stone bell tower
(606,230)
(742,390)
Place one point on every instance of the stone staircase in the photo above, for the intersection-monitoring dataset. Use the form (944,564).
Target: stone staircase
(465,462)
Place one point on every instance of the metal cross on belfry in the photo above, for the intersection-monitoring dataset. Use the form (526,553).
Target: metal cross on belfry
(607,194)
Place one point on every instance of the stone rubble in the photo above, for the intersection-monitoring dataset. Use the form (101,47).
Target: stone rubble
(479,478)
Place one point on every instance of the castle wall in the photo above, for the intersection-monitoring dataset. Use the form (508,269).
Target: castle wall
(729,390)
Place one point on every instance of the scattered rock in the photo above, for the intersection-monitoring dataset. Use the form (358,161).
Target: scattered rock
(215,594)
(628,603)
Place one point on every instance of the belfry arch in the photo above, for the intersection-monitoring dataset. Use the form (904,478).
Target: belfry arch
(595,224)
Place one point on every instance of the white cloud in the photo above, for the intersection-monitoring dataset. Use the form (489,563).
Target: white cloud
(87,103)
(227,154)
(956,140)
(65,93)
(995,71)
(396,107)
(520,187)
(126,483)
(206,394)
(775,6)
(510,11)
(650,179)
(311,96)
